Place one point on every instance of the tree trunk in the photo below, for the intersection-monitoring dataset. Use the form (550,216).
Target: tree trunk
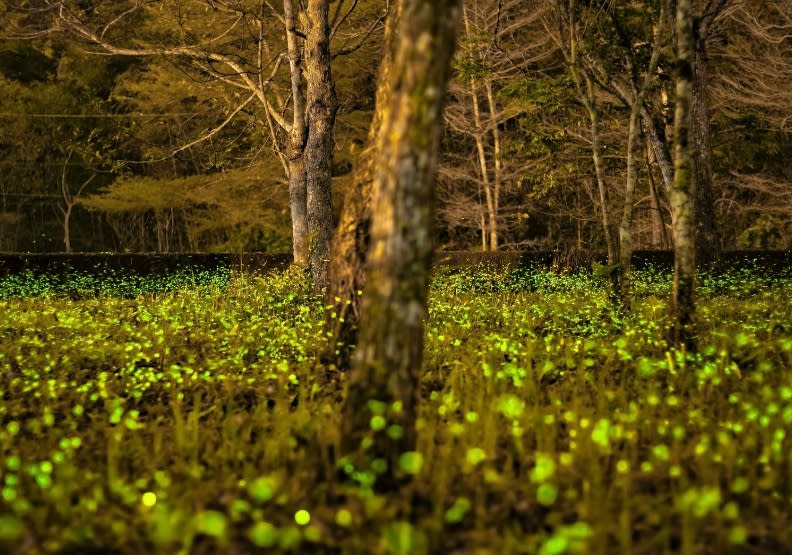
(298,196)
(625,227)
(658,222)
(384,380)
(67,228)
(497,164)
(490,194)
(602,189)
(298,203)
(588,99)
(321,108)
(351,241)
(633,134)
(310,151)
(707,236)
(659,149)
(684,188)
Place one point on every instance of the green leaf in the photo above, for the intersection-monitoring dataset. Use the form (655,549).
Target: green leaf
(602,270)
(557,545)
(262,489)
(475,455)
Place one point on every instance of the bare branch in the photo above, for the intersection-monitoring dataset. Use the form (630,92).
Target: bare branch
(211,133)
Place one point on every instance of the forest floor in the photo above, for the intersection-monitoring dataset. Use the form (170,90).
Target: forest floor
(184,414)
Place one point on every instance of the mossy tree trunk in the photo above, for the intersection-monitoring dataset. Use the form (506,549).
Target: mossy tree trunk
(383,381)
(683,191)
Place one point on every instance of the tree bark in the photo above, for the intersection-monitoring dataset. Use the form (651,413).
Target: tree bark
(350,243)
(321,108)
(298,204)
(659,148)
(708,248)
(387,363)
(683,190)
(658,222)
(497,164)
(626,224)
(298,193)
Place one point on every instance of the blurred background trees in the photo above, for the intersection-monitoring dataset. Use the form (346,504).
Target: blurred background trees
(191,152)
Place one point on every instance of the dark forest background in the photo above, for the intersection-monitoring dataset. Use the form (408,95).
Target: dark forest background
(167,153)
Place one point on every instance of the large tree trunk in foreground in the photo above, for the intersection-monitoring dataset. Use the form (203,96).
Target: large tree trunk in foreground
(683,190)
(381,405)
(351,241)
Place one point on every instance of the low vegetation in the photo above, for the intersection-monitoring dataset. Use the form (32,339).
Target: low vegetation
(190,417)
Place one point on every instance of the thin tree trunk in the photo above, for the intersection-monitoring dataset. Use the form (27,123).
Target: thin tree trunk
(625,227)
(67,229)
(658,222)
(659,149)
(321,108)
(489,185)
(298,203)
(387,363)
(298,195)
(586,96)
(484,171)
(633,135)
(601,187)
(497,163)
(684,188)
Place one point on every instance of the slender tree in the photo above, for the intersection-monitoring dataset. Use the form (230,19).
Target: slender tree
(500,43)
(321,108)
(69,200)
(683,191)
(566,26)
(589,63)
(384,378)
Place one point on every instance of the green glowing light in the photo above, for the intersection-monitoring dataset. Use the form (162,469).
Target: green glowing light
(302,517)
(343,517)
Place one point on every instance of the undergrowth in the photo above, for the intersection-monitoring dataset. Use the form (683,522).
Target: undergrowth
(189,419)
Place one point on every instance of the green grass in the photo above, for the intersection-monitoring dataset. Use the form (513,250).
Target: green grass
(188,418)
